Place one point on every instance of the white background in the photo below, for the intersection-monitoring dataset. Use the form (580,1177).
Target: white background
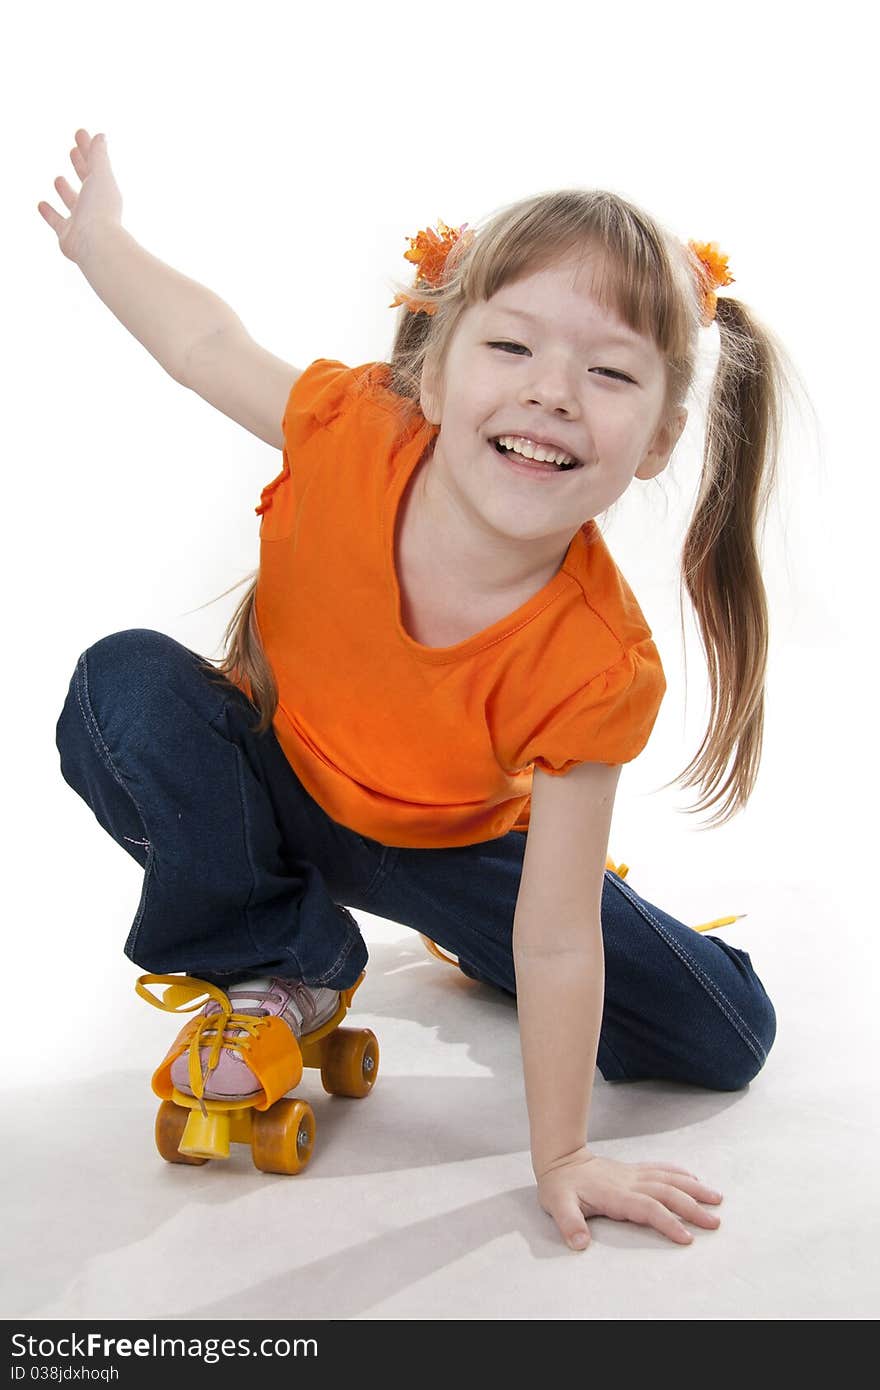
(282,156)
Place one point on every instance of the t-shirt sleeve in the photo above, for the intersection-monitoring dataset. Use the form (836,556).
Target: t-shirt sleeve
(608,720)
(316,398)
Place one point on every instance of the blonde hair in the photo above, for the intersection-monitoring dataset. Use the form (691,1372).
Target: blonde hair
(650,280)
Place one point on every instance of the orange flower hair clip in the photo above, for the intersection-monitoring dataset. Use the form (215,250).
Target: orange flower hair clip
(713,273)
(429,250)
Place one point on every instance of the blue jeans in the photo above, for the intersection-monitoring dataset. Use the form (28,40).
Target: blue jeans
(245,874)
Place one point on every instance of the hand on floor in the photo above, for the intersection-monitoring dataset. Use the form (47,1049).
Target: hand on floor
(580,1184)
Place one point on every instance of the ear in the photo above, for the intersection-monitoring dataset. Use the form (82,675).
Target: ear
(664,442)
(429,391)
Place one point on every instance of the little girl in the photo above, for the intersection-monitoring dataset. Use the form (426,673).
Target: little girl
(448,667)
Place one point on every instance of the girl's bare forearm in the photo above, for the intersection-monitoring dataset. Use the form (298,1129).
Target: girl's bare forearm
(559,1003)
(167,312)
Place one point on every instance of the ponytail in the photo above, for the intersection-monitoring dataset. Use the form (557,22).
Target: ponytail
(720,565)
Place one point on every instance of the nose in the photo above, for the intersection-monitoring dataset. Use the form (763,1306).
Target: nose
(551,387)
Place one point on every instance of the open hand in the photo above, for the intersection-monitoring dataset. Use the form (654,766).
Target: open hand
(579,1185)
(98,200)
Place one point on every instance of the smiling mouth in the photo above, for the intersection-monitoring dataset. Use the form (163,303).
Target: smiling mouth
(534,464)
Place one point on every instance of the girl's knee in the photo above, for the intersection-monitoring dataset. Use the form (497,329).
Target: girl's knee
(131,667)
(134,650)
(116,683)
(748,1043)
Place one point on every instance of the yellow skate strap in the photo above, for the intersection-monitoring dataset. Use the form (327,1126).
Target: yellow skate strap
(438,951)
(209,1031)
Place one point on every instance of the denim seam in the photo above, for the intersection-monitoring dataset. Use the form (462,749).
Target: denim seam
(340,962)
(724,1005)
(246,829)
(383,868)
(377,872)
(93,730)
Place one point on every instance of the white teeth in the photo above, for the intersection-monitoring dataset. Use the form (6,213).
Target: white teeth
(518,445)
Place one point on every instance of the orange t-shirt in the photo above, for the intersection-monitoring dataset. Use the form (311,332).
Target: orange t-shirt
(415,746)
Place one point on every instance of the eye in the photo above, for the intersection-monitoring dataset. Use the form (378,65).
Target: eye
(608,371)
(619,376)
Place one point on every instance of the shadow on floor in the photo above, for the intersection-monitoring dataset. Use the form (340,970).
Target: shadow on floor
(99,1215)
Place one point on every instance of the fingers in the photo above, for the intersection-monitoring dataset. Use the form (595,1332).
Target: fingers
(660,1195)
(48,213)
(67,194)
(80,157)
(688,1183)
(648,1211)
(570,1220)
(682,1204)
(86,150)
(84,142)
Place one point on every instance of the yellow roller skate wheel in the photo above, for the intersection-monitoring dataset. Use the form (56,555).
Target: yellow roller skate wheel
(283,1136)
(350,1062)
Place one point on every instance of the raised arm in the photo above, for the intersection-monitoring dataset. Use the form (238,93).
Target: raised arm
(247,383)
(163,309)
(190,331)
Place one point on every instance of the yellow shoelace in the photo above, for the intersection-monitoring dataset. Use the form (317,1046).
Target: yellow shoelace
(210,1031)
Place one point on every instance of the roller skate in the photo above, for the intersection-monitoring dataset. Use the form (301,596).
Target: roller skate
(621,870)
(227,1076)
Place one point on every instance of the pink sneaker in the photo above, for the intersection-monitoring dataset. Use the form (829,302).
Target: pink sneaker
(302,1007)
